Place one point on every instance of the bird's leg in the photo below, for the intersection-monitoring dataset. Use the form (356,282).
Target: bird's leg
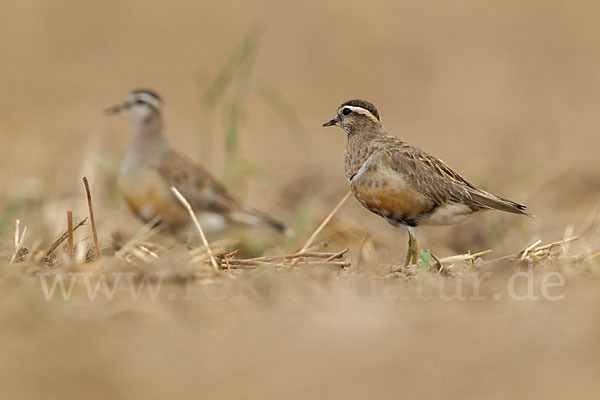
(415,252)
(412,255)
(408,253)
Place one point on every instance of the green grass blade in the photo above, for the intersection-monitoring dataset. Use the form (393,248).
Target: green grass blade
(425,258)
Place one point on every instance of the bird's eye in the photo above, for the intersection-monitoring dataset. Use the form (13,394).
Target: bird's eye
(139,101)
(346,111)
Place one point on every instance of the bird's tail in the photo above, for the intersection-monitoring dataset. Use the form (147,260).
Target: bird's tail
(499,203)
(258,218)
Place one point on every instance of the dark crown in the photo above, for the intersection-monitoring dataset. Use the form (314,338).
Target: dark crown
(148,92)
(363,104)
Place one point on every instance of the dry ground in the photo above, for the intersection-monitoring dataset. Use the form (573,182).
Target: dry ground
(506,92)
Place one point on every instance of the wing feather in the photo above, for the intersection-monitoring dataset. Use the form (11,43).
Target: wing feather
(434,179)
(196,184)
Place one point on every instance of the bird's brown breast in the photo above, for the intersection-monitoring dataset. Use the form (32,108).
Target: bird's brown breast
(387,193)
(148,197)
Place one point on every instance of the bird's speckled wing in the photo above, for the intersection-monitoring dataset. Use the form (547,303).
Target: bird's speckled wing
(197,185)
(431,177)
(385,186)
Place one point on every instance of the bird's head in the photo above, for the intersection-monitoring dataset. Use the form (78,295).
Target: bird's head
(356,116)
(140,107)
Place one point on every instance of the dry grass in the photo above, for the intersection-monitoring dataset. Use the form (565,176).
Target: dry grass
(334,323)
(159,318)
(504,92)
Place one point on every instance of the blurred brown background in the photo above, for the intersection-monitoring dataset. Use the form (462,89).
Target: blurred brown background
(506,92)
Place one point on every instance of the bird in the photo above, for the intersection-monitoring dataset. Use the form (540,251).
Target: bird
(151,166)
(403,184)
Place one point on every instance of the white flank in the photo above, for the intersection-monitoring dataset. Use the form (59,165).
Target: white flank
(448,215)
(211,222)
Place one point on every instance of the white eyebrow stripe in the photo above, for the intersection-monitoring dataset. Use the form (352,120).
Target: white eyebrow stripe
(362,111)
(149,99)
(152,101)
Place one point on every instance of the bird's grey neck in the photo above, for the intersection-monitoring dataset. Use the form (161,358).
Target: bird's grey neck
(147,144)
(363,131)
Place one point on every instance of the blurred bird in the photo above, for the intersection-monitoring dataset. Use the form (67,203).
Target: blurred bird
(151,166)
(403,184)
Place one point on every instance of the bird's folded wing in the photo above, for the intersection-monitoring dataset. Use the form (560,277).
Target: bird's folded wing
(197,185)
(443,185)
(425,176)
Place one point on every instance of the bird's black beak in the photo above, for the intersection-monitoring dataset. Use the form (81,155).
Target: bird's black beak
(114,110)
(331,123)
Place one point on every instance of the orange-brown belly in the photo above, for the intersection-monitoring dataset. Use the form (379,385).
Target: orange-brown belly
(148,197)
(397,203)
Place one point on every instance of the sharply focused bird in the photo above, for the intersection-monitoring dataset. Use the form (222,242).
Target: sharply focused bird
(403,184)
(151,166)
